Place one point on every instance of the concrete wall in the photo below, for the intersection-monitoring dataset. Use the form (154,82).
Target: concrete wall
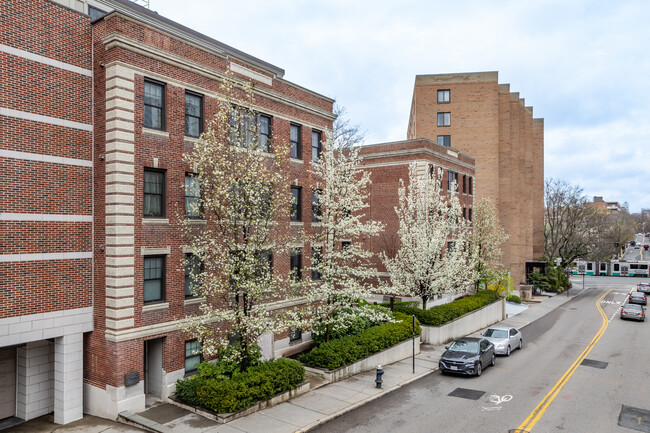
(465,325)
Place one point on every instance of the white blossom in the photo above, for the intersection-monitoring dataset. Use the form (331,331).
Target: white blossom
(344,266)
(487,236)
(245,199)
(435,255)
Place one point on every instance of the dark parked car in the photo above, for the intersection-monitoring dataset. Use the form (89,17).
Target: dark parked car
(633,311)
(637,298)
(467,356)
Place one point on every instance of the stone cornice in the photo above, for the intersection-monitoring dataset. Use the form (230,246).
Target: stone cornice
(407,153)
(116,40)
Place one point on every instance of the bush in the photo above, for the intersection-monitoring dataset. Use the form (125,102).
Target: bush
(222,394)
(350,321)
(514,298)
(441,314)
(554,279)
(347,350)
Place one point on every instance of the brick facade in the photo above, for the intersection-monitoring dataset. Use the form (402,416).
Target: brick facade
(388,163)
(494,126)
(46,174)
(127,53)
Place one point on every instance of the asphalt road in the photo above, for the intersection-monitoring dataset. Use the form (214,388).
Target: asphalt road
(637,252)
(582,369)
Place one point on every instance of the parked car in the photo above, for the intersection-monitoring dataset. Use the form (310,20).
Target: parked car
(505,339)
(467,356)
(643,287)
(633,311)
(636,297)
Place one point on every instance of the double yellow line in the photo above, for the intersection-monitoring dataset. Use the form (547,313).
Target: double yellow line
(537,413)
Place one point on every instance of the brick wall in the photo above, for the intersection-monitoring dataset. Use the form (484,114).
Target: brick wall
(124,148)
(45,159)
(388,164)
(493,125)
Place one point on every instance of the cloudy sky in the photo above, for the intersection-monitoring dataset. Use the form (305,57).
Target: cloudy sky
(584,66)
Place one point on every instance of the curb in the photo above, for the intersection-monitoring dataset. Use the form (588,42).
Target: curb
(362,403)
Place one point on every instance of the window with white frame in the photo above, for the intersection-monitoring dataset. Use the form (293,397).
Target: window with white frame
(443,96)
(444,119)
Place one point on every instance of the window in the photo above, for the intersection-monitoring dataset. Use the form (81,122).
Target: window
(296,206)
(193,355)
(154,105)
(296,265)
(443,96)
(264,132)
(243,127)
(266,261)
(444,140)
(616,267)
(193,114)
(464,184)
(295,334)
(464,213)
(193,266)
(192,197)
(345,245)
(452,177)
(469,185)
(444,119)
(154,279)
(316,145)
(316,210)
(154,193)
(296,141)
(469,215)
(316,257)
(451,245)
(432,171)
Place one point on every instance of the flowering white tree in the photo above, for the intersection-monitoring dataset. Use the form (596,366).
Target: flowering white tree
(435,255)
(341,270)
(487,237)
(242,175)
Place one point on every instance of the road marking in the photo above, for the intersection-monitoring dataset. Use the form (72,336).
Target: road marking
(537,413)
(490,409)
(498,400)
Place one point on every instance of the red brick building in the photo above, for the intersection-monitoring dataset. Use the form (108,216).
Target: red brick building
(156,86)
(389,163)
(94,194)
(480,117)
(46,212)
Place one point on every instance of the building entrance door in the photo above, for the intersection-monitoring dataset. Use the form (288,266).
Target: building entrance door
(153,367)
(7,382)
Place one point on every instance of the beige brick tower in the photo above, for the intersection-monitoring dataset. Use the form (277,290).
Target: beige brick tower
(475,114)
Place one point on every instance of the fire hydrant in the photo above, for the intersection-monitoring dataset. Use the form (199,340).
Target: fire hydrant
(380,372)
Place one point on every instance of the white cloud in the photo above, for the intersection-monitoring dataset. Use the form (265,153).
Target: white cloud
(582,65)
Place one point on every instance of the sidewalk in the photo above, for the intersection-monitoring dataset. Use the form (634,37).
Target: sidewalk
(324,402)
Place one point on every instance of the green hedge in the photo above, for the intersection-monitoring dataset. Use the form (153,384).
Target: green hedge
(243,389)
(441,314)
(514,298)
(345,351)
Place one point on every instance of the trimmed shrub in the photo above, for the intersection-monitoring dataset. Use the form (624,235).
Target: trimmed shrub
(441,314)
(221,394)
(347,350)
(514,298)
(350,321)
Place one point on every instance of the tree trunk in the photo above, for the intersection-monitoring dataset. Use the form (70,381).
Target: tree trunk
(424,302)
